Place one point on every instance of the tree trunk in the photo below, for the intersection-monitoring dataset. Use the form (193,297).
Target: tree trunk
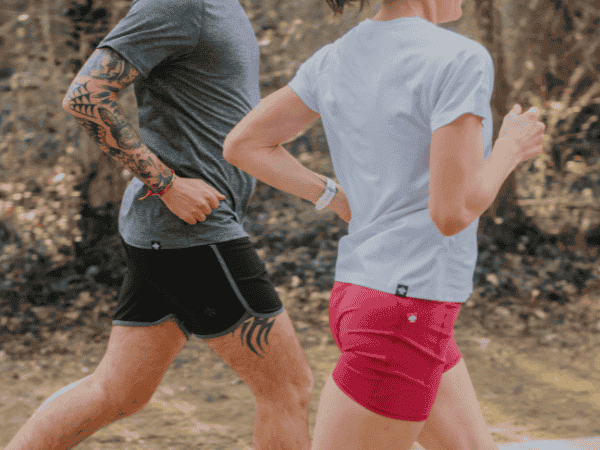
(489,21)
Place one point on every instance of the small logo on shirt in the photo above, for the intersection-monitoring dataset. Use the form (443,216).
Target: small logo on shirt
(401,290)
(156,245)
(412,318)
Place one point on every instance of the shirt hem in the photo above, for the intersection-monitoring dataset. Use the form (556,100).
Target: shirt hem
(428,293)
(179,243)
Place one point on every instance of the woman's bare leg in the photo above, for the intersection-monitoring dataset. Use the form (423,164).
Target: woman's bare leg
(343,424)
(456,421)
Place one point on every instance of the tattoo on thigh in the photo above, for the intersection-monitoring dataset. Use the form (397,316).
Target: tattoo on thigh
(256,323)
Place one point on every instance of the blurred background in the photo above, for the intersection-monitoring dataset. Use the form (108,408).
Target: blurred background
(61,264)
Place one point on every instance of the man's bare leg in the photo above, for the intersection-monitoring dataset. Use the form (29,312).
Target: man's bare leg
(122,384)
(281,379)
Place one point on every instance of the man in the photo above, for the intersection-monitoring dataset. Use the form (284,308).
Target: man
(192,268)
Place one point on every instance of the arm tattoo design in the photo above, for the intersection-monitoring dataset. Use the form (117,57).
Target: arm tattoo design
(133,164)
(263,325)
(92,100)
(112,68)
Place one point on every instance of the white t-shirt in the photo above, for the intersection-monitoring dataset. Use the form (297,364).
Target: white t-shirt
(382,89)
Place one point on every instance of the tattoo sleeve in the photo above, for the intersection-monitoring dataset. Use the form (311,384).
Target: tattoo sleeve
(92,100)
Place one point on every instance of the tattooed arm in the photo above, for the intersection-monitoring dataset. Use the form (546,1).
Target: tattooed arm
(92,100)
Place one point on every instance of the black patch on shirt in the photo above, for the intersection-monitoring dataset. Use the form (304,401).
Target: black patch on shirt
(401,290)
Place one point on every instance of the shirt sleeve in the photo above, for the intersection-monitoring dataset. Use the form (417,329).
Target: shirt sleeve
(466,88)
(153,31)
(304,84)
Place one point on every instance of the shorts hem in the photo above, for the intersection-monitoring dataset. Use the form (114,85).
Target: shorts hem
(457,361)
(244,317)
(127,323)
(376,411)
(264,315)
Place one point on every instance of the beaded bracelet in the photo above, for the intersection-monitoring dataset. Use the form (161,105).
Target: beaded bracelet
(150,193)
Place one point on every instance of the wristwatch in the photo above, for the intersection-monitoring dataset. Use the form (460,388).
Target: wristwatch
(330,192)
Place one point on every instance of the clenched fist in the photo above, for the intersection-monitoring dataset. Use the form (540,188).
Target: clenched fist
(191,199)
(522,134)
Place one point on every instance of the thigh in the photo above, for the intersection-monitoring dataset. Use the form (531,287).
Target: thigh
(343,424)
(456,421)
(281,364)
(137,358)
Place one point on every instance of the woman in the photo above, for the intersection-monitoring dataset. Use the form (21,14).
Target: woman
(406,109)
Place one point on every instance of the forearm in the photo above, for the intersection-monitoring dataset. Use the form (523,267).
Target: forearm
(118,139)
(277,168)
(486,184)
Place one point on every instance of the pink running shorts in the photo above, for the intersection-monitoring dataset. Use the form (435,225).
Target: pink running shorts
(394,349)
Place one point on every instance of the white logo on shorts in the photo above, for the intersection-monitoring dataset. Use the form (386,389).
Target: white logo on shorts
(412,318)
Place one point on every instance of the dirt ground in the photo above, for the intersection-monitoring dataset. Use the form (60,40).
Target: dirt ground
(524,391)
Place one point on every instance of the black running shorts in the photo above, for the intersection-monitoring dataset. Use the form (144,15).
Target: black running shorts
(209,290)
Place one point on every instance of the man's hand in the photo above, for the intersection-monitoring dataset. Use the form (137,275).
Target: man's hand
(191,199)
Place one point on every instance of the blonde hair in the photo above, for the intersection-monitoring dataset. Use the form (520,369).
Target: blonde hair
(338,5)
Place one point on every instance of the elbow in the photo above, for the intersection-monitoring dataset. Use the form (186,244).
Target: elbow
(451,227)
(447,224)
(65,104)
(229,150)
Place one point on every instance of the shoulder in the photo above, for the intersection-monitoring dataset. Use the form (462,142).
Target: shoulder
(456,49)
(321,55)
(459,64)
(170,8)
(318,60)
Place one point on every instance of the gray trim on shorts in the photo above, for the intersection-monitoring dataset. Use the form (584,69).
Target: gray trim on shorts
(237,291)
(246,316)
(185,331)
(125,323)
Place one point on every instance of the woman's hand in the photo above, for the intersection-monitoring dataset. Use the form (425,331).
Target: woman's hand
(522,134)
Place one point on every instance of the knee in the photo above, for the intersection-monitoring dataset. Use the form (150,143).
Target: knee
(304,387)
(291,386)
(121,399)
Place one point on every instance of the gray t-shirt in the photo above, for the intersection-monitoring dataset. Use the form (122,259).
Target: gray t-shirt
(382,90)
(199,65)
